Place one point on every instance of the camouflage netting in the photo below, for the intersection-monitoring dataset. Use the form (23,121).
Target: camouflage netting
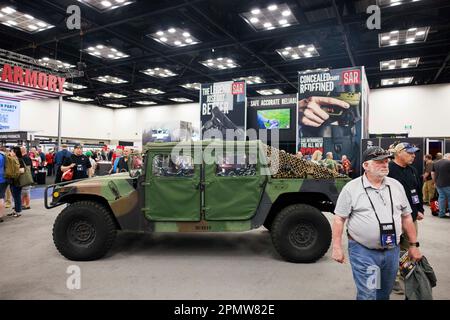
(289,167)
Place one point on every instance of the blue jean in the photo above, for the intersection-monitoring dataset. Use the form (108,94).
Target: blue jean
(444,196)
(17,196)
(373,271)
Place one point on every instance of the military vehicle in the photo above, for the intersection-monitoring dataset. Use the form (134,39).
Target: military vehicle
(241,186)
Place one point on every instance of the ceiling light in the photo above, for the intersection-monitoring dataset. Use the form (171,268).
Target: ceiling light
(106,5)
(110,79)
(106,52)
(159,72)
(274,15)
(399,63)
(398,37)
(192,86)
(217,64)
(174,37)
(113,95)
(181,100)
(150,91)
(251,80)
(314,70)
(301,51)
(392,81)
(267,92)
(73,86)
(115,105)
(80,99)
(145,103)
(21,21)
(54,64)
(392,3)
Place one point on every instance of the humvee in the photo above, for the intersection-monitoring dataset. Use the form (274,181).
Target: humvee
(170,192)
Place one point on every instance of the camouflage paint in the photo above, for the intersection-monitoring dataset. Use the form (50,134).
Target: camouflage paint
(126,198)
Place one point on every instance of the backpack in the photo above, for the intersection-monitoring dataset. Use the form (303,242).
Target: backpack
(12,167)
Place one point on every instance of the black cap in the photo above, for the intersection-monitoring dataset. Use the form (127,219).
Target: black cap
(376,153)
(78,146)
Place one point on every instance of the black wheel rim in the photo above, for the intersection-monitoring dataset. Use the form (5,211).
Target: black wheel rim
(303,235)
(81,232)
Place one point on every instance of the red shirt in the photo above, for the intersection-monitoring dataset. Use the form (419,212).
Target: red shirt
(49,158)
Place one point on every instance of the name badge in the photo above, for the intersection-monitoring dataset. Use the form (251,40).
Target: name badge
(414,196)
(388,238)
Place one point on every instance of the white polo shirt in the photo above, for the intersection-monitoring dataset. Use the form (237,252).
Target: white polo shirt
(362,224)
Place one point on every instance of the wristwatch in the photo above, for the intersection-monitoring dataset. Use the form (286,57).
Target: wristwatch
(414,244)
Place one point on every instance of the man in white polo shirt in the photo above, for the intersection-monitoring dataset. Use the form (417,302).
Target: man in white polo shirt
(377,210)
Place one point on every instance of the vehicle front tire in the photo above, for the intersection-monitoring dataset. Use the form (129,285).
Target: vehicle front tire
(301,233)
(84,231)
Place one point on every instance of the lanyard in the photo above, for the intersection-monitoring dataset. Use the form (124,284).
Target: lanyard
(373,207)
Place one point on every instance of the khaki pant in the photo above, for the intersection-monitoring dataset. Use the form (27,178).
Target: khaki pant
(8,197)
(404,240)
(428,191)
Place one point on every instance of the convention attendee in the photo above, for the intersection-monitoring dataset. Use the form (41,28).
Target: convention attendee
(90,155)
(441,177)
(41,155)
(329,162)
(346,165)
(26,191)
(16,190)
(428,188)
(77,162)
(123,162)
(317,157)
(49,160)
(401,169)
(117,156)
(3,183)
(376,210)
(59,159)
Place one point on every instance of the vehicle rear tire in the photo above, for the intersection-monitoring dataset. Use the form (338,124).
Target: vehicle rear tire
(84,231)
(301,233)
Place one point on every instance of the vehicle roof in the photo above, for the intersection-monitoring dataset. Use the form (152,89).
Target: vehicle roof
(165,146)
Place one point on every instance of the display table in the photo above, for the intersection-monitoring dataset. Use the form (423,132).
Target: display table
(103,168)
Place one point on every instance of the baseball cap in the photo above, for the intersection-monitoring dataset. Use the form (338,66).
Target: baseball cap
(408,147)
(375,153)
(78,146)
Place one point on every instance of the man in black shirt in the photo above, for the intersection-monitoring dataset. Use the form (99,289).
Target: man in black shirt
(77,162)
(441,176)
(402,170)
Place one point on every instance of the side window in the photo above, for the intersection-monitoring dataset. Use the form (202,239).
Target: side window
(235,165)
(165,165)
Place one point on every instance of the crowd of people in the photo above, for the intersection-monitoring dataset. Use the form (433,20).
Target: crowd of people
(16,191)
(343,166)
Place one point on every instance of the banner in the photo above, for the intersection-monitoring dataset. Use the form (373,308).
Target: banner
(309,145)
(223,110)
(9,115)
(330,107)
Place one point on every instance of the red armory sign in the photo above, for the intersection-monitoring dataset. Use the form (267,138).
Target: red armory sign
(34,79)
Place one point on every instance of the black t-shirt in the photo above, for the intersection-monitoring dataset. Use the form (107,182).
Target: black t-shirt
(27,161)
(82,164)
(411,182)
(122,165)
(442,172)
